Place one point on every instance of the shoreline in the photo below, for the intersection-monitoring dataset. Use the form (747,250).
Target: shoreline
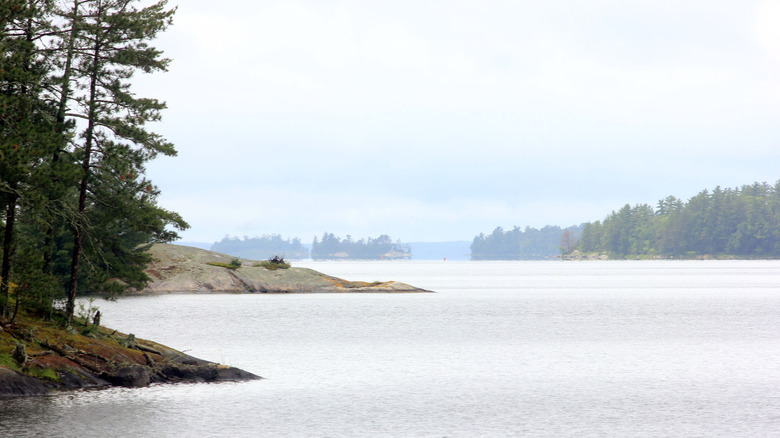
(47,358)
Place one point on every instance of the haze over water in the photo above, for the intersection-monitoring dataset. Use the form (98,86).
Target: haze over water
(649,348)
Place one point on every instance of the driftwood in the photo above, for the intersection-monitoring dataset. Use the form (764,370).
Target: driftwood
(146,349)
(149,360)
(61,351)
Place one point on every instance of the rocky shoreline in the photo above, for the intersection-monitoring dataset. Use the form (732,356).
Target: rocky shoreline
(37,357)
(46,357)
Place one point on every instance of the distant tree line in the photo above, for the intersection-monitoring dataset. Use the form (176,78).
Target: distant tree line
(519,244)
(742,222)
(382,247)
(261,248)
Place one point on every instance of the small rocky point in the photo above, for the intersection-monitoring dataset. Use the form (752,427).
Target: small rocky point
(48,357)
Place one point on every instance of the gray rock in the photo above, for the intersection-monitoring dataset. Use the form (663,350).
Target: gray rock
(14,384)
(133,376)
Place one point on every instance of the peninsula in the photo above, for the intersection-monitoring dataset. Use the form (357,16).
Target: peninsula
(185,269)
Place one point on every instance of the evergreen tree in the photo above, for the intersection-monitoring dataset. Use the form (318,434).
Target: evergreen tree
(77,211)
(26,137)
(111,46)
(742,222)
(518,244)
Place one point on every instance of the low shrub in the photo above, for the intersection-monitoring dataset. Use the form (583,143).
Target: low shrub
(273,263)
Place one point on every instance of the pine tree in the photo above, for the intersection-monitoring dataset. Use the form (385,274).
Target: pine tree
(26,137)
(111,45)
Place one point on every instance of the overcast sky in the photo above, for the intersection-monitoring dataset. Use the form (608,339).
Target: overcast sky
(437,120)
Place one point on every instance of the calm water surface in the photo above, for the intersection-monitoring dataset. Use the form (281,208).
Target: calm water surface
(652,348)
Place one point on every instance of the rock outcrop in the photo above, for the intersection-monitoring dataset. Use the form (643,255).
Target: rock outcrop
(55,358)
(183,269)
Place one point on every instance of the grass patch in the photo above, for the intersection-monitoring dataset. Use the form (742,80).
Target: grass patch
(234,264)
(44,373)
(7,361)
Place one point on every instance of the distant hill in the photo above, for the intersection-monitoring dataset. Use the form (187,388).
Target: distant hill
(455,250)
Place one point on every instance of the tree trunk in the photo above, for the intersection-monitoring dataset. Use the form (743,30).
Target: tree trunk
(48,245)
(85,165)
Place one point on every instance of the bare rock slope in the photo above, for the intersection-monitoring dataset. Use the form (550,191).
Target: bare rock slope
(185,269)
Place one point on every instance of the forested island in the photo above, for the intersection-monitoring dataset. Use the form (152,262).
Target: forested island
(329,247)
(264,247)
(334,247)
(742,222)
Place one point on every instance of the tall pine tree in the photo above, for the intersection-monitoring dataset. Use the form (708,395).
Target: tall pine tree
(112,44)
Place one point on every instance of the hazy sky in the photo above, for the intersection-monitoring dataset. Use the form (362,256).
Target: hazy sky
(437,120)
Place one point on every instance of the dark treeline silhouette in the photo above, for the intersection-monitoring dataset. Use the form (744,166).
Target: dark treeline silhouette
(518,244)
(261,248)
(382,247)
(740,222)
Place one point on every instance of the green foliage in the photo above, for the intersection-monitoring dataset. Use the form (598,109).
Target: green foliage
(230,266)
(8,361)
(333,247)
(43,373)
(740,222)
(77,211)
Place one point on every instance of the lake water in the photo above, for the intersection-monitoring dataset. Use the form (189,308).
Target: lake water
(650,348)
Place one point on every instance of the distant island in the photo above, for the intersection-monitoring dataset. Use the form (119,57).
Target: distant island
(380,248)
(742,222)
(329,247)
(262,247)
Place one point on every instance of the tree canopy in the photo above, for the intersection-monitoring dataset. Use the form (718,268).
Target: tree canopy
(78,211)
(739,222)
